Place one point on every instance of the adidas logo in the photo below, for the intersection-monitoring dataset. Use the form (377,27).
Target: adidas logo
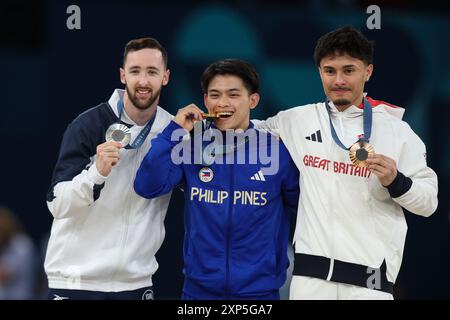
(315,136)
(258,176)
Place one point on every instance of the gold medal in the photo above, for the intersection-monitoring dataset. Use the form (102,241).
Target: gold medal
(118,132)
(217,115)
(209,115)
(359,152)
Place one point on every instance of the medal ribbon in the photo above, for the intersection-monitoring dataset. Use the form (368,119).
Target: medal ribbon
(367,124)
(144,132)
(221,149)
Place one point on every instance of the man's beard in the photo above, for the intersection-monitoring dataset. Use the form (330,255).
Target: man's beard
(342,102)
(143,105)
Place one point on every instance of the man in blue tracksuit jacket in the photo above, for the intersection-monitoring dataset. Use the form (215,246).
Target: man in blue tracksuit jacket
(236,217)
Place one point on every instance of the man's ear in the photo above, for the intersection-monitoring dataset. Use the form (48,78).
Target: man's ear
(122,76)
(166,77)
(254,100)
(369,71)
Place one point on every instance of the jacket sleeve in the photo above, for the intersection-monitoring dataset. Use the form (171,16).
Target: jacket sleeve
(158,173)
(415,188)
(76,182)
(290,185)
(270,125)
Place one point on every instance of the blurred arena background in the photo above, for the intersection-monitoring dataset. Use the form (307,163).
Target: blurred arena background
(51,74)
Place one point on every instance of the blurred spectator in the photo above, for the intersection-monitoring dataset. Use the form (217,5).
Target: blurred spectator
(17,259)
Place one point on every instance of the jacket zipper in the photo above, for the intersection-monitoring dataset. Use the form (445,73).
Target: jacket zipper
(126,218)
(228,244)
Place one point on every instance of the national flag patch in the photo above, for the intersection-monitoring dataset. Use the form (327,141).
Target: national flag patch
(206,174)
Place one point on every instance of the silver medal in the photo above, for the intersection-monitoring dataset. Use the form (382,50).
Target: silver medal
(118,132)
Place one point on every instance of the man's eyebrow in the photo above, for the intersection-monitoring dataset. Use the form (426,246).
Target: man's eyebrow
(228,90)
(148,68)
(345,66)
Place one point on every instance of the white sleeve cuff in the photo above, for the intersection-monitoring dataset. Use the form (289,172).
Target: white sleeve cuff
(95,176)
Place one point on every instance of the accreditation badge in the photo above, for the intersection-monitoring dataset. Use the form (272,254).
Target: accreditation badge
(359,152)
(118,132)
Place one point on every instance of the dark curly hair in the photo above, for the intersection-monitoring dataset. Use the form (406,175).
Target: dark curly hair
(345,40)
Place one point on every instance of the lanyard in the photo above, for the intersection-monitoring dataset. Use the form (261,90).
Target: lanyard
(367,124)
(144,132)
(219,149)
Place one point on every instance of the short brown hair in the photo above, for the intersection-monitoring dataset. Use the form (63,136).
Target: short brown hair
(144,43)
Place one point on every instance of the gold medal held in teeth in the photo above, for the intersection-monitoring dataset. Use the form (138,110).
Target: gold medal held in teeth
(209,115)
(224,114)
(359,152)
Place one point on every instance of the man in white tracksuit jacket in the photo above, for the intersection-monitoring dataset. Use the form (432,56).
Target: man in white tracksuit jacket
(351,228)
(104,236)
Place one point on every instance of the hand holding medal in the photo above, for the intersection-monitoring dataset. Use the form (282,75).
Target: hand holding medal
(108,155)
(383,167)
(186,116)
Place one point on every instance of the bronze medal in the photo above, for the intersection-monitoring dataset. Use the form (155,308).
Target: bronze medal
(359,152)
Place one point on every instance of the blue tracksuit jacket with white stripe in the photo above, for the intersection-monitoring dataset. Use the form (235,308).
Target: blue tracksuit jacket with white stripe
(236,218)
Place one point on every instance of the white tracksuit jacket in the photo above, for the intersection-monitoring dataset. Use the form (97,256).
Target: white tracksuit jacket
(344,212)
(104,236)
